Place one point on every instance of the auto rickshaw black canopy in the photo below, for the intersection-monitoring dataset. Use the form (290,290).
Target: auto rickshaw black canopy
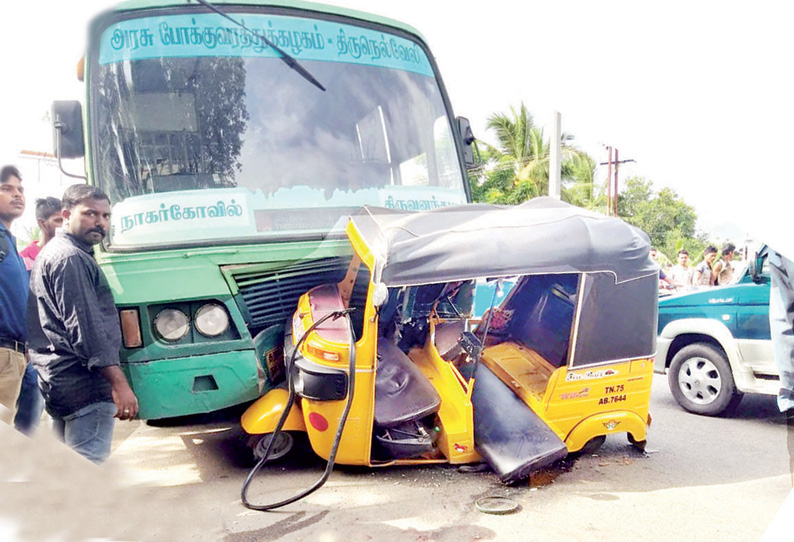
(465,242)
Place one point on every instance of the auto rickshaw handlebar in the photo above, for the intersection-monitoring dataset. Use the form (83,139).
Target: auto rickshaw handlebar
(343,312)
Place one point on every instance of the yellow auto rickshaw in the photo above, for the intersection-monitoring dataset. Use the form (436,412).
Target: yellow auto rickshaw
(388,366)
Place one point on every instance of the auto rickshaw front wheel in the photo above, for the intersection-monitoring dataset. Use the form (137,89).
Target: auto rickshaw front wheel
(284,445)
(701,381)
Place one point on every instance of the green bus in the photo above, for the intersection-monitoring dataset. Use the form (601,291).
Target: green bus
(233,137)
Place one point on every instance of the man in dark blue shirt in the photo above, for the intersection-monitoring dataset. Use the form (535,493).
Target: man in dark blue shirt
(13,294)
(74,336)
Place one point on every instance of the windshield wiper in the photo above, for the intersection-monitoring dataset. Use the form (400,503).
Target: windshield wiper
(285,56)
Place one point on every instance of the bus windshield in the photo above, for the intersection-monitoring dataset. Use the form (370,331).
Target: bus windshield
(201,132)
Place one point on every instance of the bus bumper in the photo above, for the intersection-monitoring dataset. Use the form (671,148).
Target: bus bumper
(194,385)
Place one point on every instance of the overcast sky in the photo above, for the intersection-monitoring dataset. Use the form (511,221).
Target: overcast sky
(700,94)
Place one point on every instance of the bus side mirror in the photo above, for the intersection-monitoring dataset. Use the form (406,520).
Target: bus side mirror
(67,129)
(468,139)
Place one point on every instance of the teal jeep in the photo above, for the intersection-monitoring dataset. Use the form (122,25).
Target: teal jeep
(715,343)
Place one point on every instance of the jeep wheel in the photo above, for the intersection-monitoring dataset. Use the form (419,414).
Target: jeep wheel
(701,380)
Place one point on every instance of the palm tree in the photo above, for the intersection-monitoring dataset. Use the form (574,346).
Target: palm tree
(517,169)
(578,180)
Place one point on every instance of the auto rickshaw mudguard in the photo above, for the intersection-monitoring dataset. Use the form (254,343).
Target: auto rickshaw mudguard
(263,415)
(621,421)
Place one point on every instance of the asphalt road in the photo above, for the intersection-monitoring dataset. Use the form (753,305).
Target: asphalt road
(701,478)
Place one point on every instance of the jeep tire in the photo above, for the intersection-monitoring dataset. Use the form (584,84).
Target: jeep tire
(701,381)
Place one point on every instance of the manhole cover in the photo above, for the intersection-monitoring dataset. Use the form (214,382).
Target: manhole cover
(496,505)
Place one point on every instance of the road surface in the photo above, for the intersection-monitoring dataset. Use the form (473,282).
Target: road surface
(704,479)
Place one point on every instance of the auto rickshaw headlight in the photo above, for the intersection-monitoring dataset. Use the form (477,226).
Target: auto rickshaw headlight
(322,353)
(171,324)
(212,320)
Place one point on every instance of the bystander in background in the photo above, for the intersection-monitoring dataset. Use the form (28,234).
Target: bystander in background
(30,404)
(722,269)
(49,219)
(665,283)
(703,275)
(13,294)
(681,273)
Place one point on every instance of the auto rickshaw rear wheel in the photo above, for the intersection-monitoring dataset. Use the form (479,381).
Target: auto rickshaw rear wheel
(639,444)
(592,445)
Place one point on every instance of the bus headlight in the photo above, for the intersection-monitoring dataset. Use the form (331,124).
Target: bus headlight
(171,324)
(212,320)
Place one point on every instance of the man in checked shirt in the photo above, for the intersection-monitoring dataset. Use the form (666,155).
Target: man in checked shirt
(73,330)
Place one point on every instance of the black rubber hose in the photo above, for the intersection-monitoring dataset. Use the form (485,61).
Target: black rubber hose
(290,401)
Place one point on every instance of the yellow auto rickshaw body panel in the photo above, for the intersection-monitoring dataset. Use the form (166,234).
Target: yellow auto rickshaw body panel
(455,438)
(263,415)
(322,417)
(601,392)
(359,246)
(355,444)
(455,416)
(578,404)
(619,421)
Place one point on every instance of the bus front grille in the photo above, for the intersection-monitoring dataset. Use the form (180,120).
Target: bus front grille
(269,295)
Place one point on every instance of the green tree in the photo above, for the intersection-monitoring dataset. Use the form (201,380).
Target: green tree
(578,181)
(517,168)
(663,215)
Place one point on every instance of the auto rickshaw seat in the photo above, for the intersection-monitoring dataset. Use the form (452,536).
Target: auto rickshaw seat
(546,328)
(402,392)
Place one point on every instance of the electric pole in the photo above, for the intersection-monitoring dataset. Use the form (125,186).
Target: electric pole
(612,183)
(555,162)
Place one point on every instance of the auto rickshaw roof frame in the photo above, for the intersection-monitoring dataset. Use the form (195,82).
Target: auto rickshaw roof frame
(541,236)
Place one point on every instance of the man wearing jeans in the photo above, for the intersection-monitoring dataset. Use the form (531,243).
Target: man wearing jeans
(73,330)
(781,321)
